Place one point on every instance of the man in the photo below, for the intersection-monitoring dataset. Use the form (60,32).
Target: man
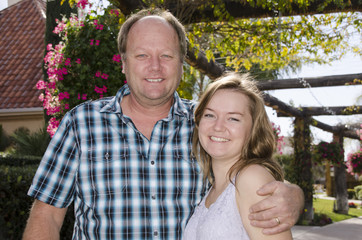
(125,161)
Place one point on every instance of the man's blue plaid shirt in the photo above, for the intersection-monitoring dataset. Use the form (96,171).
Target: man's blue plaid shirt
(123,185)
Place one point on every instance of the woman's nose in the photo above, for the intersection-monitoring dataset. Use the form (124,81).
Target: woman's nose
(219,124)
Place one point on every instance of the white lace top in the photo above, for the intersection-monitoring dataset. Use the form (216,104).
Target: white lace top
(220,221)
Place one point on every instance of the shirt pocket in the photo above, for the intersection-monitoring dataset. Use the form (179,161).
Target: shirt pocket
(102,177)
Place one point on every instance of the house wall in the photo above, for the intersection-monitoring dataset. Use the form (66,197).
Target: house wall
(11,2)
(33,119)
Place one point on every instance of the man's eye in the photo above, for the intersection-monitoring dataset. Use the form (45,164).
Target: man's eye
(234,119)
(208,115)
(166,56)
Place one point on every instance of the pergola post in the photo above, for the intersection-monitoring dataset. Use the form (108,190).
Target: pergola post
(303,163)
(340,180)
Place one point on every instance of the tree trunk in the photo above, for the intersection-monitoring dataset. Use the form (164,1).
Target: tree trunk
(303,164)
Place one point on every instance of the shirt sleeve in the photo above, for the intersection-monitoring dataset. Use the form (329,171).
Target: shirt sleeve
(54,181)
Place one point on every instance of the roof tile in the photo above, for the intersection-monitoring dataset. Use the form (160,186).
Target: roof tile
(22,29)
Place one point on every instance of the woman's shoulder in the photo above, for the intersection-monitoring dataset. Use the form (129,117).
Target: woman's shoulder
(253,177)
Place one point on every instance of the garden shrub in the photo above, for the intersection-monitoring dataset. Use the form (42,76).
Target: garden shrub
(27,143)
(19,161)
(358,190)
(351,194)
(286,161)
(14,202)
(320,219)
(4,139)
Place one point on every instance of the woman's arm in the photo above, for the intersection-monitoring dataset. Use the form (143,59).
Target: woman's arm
(248,181)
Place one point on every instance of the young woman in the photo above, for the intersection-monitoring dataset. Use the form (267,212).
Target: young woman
(234,143)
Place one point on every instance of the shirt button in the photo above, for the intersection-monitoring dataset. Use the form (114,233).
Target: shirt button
(152,162)
(153,197)
(155,233)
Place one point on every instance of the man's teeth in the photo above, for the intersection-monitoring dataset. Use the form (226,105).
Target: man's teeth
(218,139)
(154,80)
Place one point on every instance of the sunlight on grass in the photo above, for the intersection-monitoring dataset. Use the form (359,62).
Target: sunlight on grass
(326,206)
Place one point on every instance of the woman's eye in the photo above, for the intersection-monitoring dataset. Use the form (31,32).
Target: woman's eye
(141,56)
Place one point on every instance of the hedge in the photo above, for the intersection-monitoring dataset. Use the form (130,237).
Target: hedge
(14,202)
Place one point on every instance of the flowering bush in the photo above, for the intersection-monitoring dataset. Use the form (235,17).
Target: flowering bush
(352,205)
(333,152)
(280,139)
(354,163)
(354,160)
(85,65)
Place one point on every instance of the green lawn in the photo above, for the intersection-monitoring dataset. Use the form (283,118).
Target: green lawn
(326,206)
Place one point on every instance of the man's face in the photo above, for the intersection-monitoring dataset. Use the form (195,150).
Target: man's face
(152,61)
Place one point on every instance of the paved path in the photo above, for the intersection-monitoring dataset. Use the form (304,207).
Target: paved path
(350,229)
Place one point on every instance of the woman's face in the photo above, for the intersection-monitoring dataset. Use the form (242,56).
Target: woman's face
(225,125)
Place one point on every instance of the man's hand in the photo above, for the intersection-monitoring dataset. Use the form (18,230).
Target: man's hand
(285,204)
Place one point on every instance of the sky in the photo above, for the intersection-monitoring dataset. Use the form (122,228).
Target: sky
(323,97)
(3,4)
(317,97)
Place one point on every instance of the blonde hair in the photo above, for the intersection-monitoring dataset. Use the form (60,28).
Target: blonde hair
(259,147)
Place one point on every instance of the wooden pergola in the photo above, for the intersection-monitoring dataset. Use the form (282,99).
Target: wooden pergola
(189,12)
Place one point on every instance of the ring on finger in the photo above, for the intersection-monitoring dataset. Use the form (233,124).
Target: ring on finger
(277,220)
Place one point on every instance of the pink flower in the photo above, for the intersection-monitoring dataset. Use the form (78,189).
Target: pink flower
(97,42)
(63,95)
(98,74)
(114,11)
(78,61)
(91,42)
(41,85)
(67,62)
(116,58)
(104,76)
(52,85)
(64,71)
(82,4)
(49,47)
(84,96)
(100,90)
(52,126)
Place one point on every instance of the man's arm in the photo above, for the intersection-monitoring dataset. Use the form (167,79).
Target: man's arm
(45,222)
(285,202)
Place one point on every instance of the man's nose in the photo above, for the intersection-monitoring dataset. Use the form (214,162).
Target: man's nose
(155,63)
